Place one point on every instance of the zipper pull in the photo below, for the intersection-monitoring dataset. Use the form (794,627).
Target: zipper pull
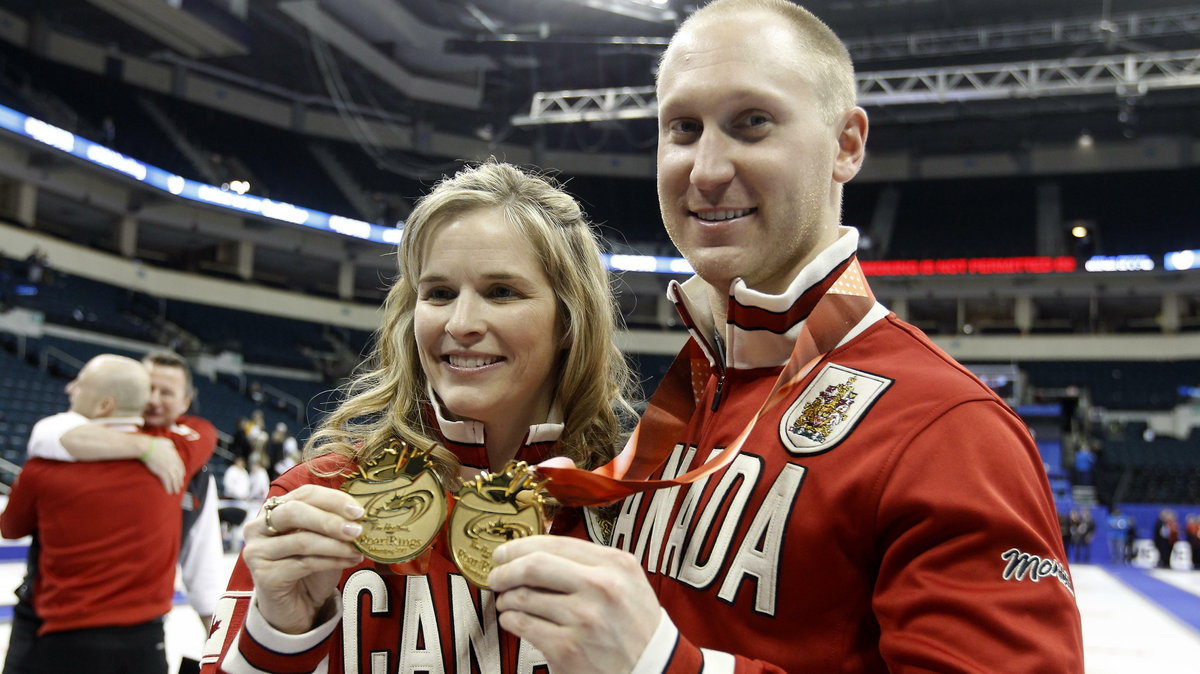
(717,395)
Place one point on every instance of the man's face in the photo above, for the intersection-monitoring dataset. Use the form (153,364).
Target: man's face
(745,159)
(169,395)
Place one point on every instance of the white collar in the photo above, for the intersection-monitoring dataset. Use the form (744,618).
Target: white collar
(471,432)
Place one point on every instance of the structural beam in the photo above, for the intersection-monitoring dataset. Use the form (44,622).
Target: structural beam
(1121,75)
(174,27)
(311,15)
(1028,35)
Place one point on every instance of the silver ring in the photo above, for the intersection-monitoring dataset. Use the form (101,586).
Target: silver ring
(270,505)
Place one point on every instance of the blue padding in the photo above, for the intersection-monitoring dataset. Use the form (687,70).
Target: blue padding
(1180,603)
(14,553)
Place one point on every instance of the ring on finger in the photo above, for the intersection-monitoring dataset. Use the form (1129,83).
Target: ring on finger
(270,505)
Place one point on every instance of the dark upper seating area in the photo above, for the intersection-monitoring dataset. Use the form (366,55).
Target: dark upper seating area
(1137,469)
(1121,385)
(268,340)
(1134,212)
(279,162)
(78,302)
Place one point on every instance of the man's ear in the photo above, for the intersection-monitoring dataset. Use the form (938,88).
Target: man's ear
(105,407)
(852,145)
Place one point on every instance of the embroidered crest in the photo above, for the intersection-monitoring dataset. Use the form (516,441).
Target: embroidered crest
(829,408)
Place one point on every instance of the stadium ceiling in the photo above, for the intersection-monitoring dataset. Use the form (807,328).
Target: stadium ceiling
(936,75)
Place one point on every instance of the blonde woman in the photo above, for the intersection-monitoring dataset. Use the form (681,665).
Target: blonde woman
(496,345)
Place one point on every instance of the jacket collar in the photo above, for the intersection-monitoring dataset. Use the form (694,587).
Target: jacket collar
(467,438)
(761,328)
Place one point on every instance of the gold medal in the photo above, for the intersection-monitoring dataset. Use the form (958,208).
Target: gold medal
(404,501)
(489,513)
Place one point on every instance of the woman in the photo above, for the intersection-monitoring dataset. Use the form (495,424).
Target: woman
(497,344)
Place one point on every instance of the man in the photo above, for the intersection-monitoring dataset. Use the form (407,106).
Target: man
(1118,524)
(171,393)
(109,537)
(200,556)
(86,402)
(884,511)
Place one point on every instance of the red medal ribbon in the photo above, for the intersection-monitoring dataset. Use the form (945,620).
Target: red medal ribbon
(842,306)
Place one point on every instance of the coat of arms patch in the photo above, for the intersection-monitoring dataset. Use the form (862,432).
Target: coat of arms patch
(829,408)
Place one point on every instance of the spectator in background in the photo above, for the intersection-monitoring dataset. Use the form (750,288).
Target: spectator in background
(281,445)
(1085,463)
(1118,527)
(1193,538)
(1082,535)
(256,432)
(235,485)
(239,445)
(1166,533)
(260,479)
(101,589)
(1130,541)
(1073,533)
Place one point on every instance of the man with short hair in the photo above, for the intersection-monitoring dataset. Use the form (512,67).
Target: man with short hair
(108,533)
(171,395)
(200,555)
(871,506)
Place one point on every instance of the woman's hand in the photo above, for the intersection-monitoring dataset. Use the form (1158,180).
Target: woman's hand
(296,568)
(587,608)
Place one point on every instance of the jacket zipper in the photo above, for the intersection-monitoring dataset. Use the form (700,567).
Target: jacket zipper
(719,348)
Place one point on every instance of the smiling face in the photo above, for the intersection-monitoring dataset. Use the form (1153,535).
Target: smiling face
(749,165)
(486,322)
(170,395)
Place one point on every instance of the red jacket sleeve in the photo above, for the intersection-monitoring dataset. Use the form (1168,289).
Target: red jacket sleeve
(19,518)
(973,575)
(195,439)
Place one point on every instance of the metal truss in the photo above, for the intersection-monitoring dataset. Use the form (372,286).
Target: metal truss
(589,105)
(1121,75)
(1129,26)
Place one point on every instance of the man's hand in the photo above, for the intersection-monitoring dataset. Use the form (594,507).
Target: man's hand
(586,607)
(162,460)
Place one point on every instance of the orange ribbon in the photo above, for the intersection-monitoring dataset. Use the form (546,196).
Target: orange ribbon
(842,306)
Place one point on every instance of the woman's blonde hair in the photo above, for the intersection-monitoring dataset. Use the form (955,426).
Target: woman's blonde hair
(387,397)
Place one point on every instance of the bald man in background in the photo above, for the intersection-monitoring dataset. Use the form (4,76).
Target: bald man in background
(108,530)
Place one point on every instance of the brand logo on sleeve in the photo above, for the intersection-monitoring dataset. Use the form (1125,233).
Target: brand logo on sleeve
(1024,566)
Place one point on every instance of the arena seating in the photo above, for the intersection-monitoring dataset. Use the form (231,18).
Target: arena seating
(1124,385)
(26,395)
